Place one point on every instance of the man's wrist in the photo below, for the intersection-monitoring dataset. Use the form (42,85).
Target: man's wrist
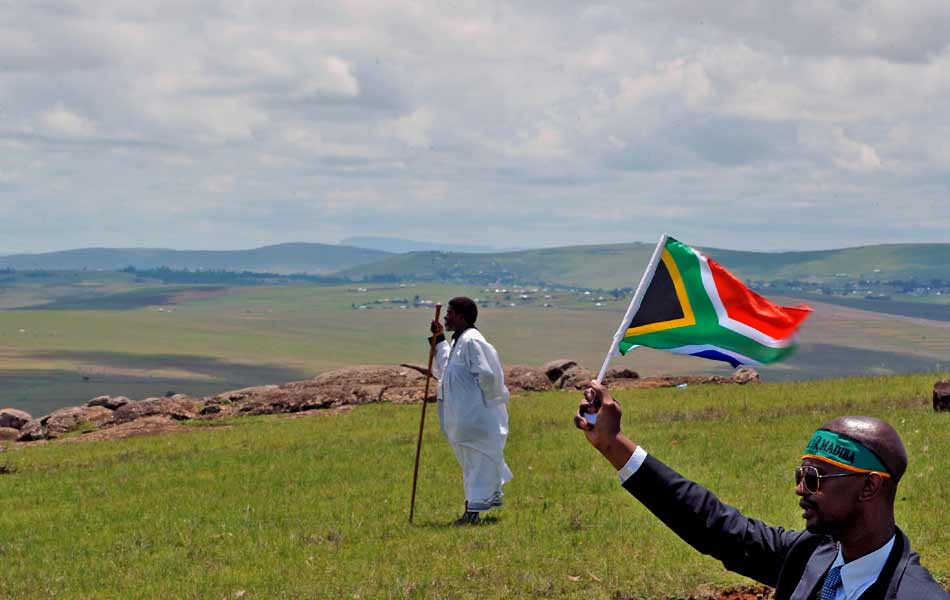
(617,449)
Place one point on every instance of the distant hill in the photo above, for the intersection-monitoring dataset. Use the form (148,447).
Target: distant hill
(620,265)
(281,258)
(401,246)
(605,266)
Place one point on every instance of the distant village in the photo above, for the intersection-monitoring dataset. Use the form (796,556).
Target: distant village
(500,297)
(844,287)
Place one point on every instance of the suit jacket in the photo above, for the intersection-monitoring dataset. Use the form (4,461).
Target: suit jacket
(793,562)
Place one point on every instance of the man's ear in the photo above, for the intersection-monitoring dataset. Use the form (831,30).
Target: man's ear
(873,487)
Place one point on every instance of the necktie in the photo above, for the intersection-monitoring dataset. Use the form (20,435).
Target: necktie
(831,584)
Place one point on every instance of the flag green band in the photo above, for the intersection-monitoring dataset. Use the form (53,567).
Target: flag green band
(842,451)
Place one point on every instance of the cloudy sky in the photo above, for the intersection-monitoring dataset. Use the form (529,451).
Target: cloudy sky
(237,123)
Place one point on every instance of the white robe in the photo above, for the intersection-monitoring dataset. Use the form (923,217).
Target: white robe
(473,414)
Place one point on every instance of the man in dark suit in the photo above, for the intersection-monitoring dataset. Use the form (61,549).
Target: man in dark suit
(847,482)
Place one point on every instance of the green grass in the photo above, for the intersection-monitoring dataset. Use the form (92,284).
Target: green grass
(317,507)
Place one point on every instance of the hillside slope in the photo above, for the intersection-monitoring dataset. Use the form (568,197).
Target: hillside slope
(620,265)
(281,258)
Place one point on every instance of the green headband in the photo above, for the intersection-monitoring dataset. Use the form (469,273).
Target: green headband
(844,452)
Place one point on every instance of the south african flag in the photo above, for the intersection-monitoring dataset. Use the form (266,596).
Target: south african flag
(689,304)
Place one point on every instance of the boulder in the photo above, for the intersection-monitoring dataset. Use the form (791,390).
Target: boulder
(575,378)
(13,418)
(69,419)
(521,378)
(744,375)
(178,407)
(108,402)
(555,369)
(942,395)
(31,432)
(9,434)
(620,373)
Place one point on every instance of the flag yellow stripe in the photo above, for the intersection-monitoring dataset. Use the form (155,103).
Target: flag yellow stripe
(688,317)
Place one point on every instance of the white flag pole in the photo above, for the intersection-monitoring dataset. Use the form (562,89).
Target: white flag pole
(634,305)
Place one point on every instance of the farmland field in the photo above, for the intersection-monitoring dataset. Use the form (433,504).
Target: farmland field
(65,341)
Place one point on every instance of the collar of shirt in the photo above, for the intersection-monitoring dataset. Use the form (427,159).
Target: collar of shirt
(456,335)
(859,574)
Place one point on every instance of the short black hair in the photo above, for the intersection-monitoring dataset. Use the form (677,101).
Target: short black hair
(465,307)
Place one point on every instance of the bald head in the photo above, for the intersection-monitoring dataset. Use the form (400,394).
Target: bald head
(878,437)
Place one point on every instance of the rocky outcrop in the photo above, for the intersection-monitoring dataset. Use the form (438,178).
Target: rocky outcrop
(942,396)
(555,369)
(178,407)
(575,378)
(616,373)
(338,390)
(13,418)
(9,434)
(109,402)
(522,378)
(32,431)
(358,385)
(77,418)
(744,375)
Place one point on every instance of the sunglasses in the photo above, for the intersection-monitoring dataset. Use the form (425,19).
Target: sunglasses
(811,478)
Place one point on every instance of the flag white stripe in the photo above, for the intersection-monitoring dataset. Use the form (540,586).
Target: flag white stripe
(697,348)
(729,323)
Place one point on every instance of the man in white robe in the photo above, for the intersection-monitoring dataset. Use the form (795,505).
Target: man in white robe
(472,408)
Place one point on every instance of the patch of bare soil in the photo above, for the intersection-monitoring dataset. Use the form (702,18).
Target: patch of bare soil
(752,592)
(189,295)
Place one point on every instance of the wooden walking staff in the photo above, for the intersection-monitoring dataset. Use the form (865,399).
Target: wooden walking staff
(422,421)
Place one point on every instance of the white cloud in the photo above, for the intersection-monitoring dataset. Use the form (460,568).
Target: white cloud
(412,129)
(61,121)
(855,155)
(247,120)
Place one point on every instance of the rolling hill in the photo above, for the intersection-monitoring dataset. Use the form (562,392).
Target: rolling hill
(317,259)
(600,266)
(620,265)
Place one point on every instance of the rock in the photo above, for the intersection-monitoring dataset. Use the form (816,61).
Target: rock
(521,378)
(621,373)
(178,407)
(341,387)
(555,369)
(942,395)
(13,418)
(108,402)
(70,419)
(575,378)
(32,432)
(744,375)
(9,434)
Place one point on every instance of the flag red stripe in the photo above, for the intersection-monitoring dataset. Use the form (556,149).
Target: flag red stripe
(749,308)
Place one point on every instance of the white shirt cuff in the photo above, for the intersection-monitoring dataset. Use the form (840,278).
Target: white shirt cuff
(639,455)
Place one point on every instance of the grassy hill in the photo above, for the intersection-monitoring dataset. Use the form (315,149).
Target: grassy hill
(620,265)
(316,507)
(604,266)
(281,258)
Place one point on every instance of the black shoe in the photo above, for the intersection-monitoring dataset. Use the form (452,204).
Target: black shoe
(469,518)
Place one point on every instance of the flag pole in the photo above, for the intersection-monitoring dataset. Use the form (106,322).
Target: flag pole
(422,421)
(634,306)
